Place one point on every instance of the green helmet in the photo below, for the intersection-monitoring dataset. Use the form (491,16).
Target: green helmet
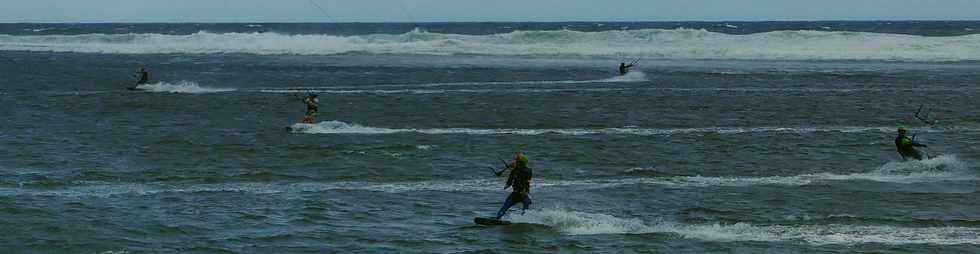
(521,159)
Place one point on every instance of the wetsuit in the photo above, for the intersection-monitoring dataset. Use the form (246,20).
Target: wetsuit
(623,68)
(520,181)
(144,77)
(906,147)
(312,108)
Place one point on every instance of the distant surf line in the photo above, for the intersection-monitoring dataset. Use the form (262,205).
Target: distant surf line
(681,43)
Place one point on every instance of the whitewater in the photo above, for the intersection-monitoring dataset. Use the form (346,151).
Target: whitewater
(678,43)
(185,87)
(339,127)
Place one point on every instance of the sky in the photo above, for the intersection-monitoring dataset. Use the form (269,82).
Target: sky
(95,11)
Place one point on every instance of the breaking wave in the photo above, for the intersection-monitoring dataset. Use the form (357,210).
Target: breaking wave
(649,43)
(180,87)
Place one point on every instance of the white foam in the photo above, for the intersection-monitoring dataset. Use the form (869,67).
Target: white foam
(648,43)
(115,252)
(181,87)
(338,127)
(632,76)
(582,223)
(437,91)
(939,169)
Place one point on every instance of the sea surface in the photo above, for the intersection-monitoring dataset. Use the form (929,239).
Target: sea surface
(727,137)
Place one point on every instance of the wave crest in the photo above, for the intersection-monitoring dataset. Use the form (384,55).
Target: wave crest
(650,43)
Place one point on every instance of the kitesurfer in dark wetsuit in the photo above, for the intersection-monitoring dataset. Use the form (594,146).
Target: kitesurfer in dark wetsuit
(906,146)
(312,108)
(520,181)
(624,68)
(143,76)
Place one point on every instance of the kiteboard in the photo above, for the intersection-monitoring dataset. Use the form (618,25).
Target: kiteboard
(489,221)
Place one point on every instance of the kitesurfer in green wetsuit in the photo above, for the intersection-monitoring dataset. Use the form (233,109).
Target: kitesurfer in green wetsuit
(312,108)
(520,180)
(906,146)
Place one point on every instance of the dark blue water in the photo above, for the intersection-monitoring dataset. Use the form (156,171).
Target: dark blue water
(766,137)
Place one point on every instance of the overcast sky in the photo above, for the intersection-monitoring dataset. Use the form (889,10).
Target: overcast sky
(480,10)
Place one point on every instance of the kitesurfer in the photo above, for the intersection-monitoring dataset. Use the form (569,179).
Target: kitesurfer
(520,182)
(906,146)
(142,76)
(624,68)
(312,108)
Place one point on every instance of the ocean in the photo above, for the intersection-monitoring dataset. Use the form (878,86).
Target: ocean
(727,137)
